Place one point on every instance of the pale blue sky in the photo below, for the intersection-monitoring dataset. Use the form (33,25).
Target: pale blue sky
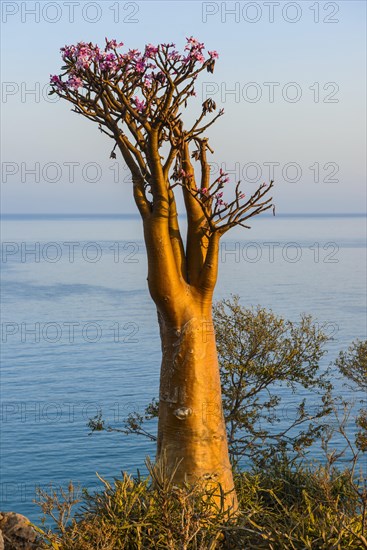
(320,137)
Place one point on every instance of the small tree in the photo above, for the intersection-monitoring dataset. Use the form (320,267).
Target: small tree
(137,99)
(352,363)
(259,354)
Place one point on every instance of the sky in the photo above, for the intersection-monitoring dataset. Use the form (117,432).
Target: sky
(290,77)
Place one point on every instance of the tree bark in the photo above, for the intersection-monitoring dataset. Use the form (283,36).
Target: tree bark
(191,429)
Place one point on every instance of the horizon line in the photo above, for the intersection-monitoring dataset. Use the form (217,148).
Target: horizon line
(137,215)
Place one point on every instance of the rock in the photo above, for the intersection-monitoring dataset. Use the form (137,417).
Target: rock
(16,533)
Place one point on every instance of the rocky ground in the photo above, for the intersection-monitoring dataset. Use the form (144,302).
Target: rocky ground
(16,532)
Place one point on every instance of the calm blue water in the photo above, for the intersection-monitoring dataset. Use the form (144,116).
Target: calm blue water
(79,331)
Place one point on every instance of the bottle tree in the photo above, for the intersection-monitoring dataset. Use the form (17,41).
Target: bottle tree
(137,98)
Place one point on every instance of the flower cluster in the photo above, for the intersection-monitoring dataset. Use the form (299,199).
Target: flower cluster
(87,61)
(74,82)
(83,56)
(213,54)
(219,184)
(150,50)
(56,82)
(112,44)
(195,49)
(223,176)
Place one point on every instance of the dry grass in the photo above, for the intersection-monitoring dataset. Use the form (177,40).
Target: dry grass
(285,507)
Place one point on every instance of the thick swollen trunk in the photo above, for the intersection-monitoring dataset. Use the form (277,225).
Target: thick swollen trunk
(191,430)
(192,437)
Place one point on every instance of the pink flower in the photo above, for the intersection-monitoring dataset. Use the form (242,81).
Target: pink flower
(74,82)
(133,54)
(67,52)
(203,191)
(192,57)
(140,66)
(56,81)
(139,105)
(195,51)
(112,44)
(84,55)
(197,56)
(193,43)
(219,196)
(108,62)
(213,54)
(241,196)
(147,81)
(174,56)
(150,50)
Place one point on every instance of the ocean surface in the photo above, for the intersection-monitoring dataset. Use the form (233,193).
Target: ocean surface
(80,335)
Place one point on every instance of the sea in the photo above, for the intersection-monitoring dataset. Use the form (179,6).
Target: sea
(79,333)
